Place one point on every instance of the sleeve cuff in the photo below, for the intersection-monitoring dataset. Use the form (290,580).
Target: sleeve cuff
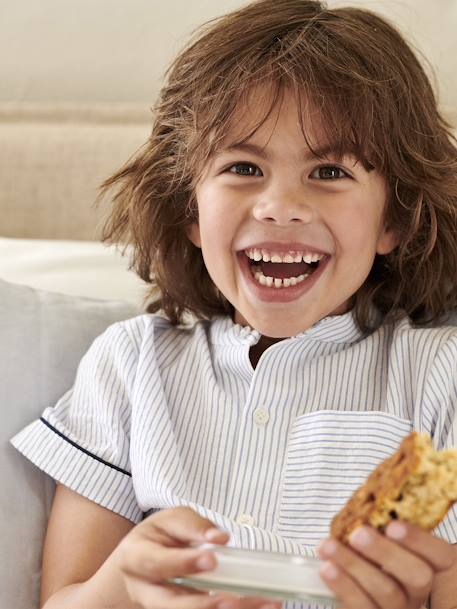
(79,470)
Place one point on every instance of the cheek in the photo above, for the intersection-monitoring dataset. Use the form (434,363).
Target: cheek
(215,208)
(219,224)
(360,225)
(351,229)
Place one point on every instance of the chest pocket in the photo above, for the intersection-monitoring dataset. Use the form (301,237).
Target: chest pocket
(329,454)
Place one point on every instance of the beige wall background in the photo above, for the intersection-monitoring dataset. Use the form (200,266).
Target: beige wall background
(93,50)
(78,78)
(117,50)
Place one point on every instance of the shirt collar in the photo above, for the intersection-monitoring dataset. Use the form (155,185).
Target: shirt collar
(334,329)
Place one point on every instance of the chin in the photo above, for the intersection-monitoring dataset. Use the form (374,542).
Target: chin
(276,329)
(285,325)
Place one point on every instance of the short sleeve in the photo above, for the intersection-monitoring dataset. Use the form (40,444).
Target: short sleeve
(440,415)
(83,442)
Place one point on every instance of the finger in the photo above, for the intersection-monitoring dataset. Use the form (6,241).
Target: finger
(226,602)
(412,572)
(439,554)
(259,603)
(232,601)
(247,602)
(193,602)
(157,563)
(184,525)
(376,584)
(151,596)
(179,589)
(345,588)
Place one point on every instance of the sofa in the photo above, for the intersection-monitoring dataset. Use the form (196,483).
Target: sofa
(78,81)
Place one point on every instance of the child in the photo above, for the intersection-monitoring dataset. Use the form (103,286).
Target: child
(298,196)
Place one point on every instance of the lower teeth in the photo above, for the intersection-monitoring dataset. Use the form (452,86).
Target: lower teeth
(275,282)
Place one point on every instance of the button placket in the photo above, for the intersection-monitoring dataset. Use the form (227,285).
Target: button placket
(246,519)
(261,416)
(255,439)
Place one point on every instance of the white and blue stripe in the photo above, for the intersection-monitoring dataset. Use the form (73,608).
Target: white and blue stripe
(162,416)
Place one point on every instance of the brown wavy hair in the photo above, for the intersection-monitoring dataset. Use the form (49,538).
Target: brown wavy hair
(374,99)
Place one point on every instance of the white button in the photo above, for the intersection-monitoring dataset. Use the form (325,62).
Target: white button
(261,416)
(245,519)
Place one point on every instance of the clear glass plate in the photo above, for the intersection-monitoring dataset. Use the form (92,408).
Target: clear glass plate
(268,574)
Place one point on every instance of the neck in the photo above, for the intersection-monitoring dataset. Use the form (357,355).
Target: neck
(256,351)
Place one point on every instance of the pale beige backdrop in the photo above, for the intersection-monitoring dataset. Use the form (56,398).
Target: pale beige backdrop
(78,78)
(116,50)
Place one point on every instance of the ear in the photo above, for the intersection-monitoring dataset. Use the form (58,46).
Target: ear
(387,241)
(193,233)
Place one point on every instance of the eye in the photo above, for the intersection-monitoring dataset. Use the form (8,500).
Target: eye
(329,172)
(245,169)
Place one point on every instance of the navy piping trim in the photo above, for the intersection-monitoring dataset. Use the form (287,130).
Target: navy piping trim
(59,433)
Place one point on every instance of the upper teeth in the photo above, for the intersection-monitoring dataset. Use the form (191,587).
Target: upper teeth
(257,255)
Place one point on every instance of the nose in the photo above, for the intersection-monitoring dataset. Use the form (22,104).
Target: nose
(284,204)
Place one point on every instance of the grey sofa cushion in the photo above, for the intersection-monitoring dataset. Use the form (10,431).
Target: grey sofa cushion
(42,338)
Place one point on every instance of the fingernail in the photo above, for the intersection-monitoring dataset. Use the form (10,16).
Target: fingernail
(228,605)
(396,530)
(213,533)
(360,538)
(206,562)
(327,548)
(329,570)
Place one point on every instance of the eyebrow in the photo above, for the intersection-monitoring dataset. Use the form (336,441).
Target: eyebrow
(317,153)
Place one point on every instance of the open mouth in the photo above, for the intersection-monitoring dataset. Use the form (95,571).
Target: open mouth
(279,270)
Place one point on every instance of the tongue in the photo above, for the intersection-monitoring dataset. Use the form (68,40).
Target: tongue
(284,270)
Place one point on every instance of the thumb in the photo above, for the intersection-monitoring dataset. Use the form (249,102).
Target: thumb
(185,525)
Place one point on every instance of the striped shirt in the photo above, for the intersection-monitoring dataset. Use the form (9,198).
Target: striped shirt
(161,416)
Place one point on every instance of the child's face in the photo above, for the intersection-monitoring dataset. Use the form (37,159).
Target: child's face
(278,200)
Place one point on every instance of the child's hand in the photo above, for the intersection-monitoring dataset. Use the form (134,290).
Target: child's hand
(158,549)
(391,571)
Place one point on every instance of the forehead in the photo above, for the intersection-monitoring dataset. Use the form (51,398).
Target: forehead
(322,125)
(262,109)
